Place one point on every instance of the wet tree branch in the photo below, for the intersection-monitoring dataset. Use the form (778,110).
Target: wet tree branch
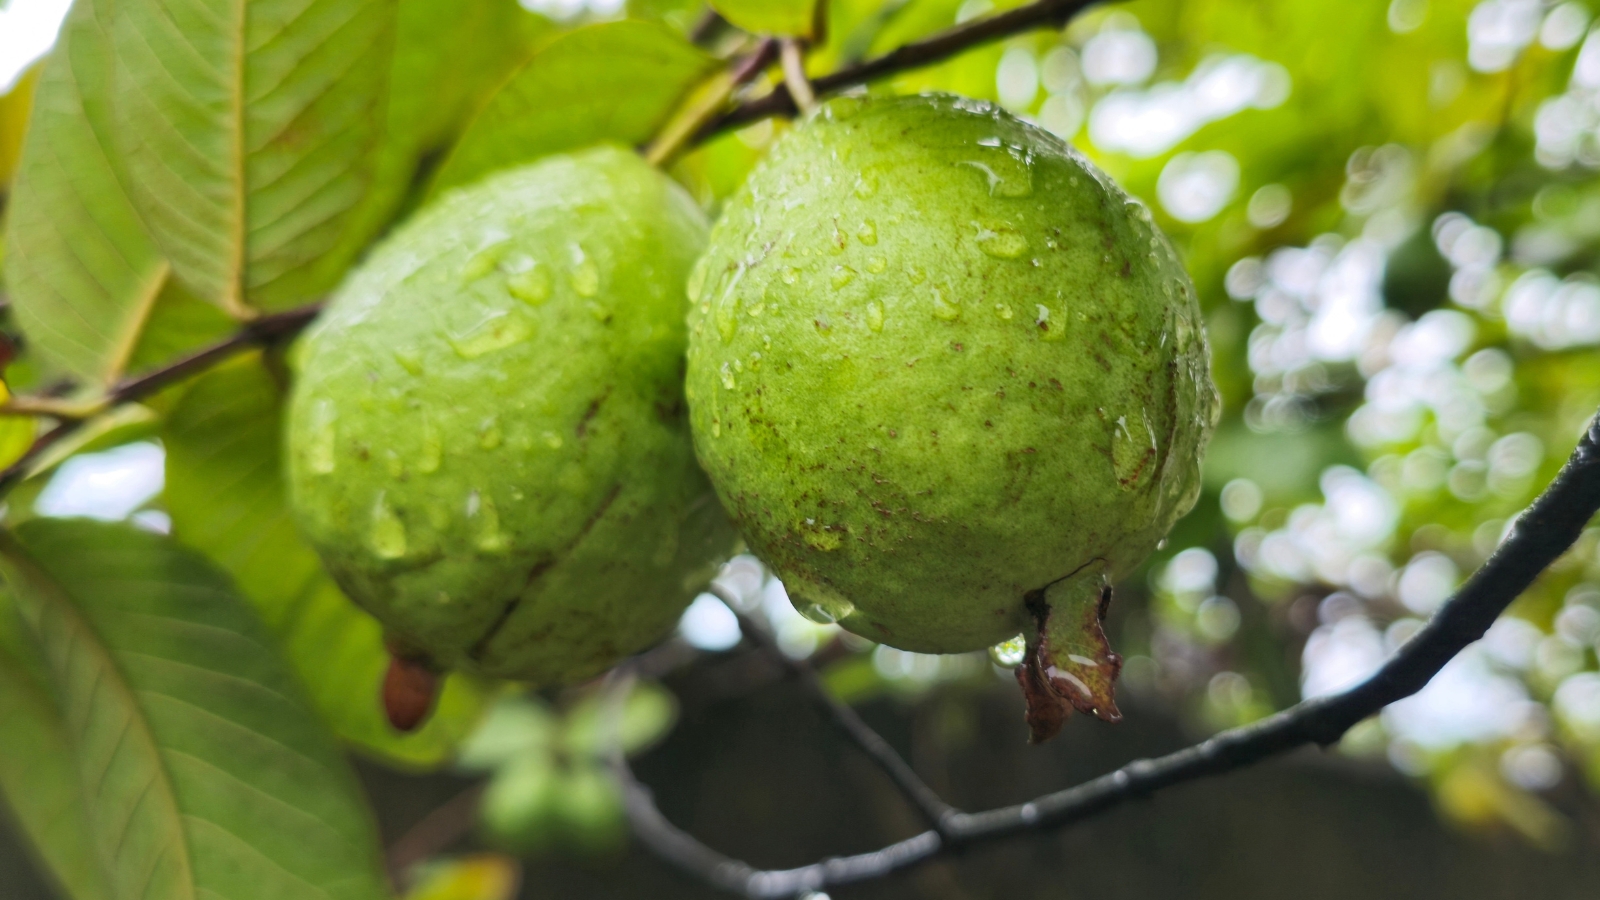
(933,809)
(1543,532)
(263,330)
(942,46)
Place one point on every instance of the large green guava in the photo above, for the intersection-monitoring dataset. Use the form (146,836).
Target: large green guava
(487,438)
(950,380)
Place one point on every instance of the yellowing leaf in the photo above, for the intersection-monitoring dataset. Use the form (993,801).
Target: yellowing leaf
(776,17)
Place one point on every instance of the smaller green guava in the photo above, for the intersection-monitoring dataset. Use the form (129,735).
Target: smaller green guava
(950,380)
(487,440)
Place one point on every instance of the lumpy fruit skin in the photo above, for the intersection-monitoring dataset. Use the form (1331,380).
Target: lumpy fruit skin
(938,362)
(487,437)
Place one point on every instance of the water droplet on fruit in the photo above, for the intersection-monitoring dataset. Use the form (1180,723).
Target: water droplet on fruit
(485,520)
(1009,653)
(877,264)
(727,376)
(585,275)
(496,331)
(697,279)
(866,185)
(324,434)
(531,286)
(1001,241)
(1133,450)
(816,612)
(842,275)
(867,233)
(789,275)
(916,274)
(1048,330)
(727,316)
(409,360)
(388,532)
(875,315)
(489,433)
(432,447)
(945,308)
(484,261)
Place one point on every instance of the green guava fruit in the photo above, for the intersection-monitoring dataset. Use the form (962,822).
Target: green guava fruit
(487,437)
(950,380)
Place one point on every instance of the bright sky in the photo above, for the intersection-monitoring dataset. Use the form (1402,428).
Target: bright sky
(27,29)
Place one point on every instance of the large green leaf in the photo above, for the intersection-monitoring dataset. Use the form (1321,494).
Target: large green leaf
(37,777)
(205,773)
(81,271)
(252,132)
(616,81)
(785,17)
(449,54)
(225,493)
(14,108)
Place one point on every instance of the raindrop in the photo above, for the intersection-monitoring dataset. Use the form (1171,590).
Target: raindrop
(496,331)
(409,359)
(1001,241)
(531,286)
(432,447)
(727,376)
(585,274)
(875,315)
(485,519)
(489,433)
(388,532)
(1009,653)
(945,309)
(842,275)
(319,449)
(868,233)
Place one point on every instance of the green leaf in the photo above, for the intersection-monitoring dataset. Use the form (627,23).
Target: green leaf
(616,81)
(778,17)
(14,108)
(37,778)
(225,493)
(81,271)
(206,774)
(449,54)
(252,133)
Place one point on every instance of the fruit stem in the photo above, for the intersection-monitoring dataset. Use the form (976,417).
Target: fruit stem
(794,76)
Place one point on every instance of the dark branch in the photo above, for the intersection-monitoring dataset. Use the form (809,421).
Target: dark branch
(1543,532)
(260,331)
(934,810)
(940,47)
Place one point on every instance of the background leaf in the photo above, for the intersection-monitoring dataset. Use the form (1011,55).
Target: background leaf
(37,778)
(81,271)
(14,108)
(252,133)
(616,81)
(206,774)
(781,17)
(225,493)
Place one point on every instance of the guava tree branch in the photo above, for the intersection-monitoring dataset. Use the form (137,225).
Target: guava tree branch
(928,803)
(915,55)
(263,330)
(1540,535)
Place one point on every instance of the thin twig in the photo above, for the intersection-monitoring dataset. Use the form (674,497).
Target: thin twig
(1543,532)
(259,331)
(704,101)
(434,833)
(916,55)
(934,810)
